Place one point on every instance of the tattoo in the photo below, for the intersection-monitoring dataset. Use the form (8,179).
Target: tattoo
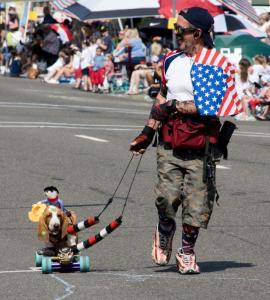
(186,107)
(153,123)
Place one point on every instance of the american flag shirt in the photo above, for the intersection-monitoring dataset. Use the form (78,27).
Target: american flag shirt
(213,82)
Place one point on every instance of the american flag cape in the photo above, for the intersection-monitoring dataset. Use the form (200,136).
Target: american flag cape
(213,80)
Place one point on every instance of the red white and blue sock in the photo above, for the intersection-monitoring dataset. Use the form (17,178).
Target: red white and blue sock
(189,237)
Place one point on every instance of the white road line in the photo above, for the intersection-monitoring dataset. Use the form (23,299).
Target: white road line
(92,138)
(264,135)
(249,132)
(223,167)
(19,271)
(58,106)
(68,124)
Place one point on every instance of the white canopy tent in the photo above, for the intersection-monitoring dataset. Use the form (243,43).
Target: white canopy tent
(108,9)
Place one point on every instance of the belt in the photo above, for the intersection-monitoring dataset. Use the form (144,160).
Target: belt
(168,146)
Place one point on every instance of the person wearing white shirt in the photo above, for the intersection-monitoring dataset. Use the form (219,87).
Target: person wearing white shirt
(86,59)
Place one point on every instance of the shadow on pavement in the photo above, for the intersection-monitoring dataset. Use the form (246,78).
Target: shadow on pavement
(209,266)
(215,266)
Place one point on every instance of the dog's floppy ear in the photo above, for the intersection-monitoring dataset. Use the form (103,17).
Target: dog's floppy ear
(43,233)
(64,225)
(73,217)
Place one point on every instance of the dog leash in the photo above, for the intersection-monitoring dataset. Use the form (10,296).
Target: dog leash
(92,240)
(117,187)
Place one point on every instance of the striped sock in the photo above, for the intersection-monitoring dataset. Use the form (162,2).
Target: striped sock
(189,237)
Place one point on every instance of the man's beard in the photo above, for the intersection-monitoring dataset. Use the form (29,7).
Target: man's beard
(184,46)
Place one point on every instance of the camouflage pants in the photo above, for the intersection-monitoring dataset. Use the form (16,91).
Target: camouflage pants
(180,182)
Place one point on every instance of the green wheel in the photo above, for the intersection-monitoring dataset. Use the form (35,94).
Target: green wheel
(46,265)
(84,263)
(38,260)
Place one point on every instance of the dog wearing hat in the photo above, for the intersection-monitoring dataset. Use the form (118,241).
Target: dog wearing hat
(53,219)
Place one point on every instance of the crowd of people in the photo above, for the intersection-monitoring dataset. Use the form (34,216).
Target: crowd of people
(92,59)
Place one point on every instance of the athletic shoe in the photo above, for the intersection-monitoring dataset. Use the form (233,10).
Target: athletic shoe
(162,246)
(186,263)
(52,81)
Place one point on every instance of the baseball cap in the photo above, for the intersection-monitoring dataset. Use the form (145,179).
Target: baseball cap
(200,18)
(104,28)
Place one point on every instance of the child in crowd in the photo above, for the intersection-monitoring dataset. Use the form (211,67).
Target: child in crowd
(109,71)
(97,72)
(86,59)
(76,63)
(15,64)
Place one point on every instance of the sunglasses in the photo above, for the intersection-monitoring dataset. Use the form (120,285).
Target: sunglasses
(179,30)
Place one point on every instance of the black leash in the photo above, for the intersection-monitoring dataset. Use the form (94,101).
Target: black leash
(132,181)
(123,176)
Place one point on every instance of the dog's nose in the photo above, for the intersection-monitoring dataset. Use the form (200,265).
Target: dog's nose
(56,226)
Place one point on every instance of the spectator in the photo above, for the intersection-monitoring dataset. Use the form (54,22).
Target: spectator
(243,87)
(93,47)
(66,70)
(2,25)
(97,72)
(86,59)
(12,19)
(139,74)
(48,19)
(120,48)
(154,78)
(85,33)
(76,63)
(258,69)
(50,45)
(138,49)
(264,21)
(156,48)
(15,64)
(52,70)
(109,71)
(266,112)
(106,43)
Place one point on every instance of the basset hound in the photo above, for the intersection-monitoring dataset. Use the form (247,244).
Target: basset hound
(52,228)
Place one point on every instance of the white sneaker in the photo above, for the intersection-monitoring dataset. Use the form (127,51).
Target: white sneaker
(162,246)
(186,263)
(52,81)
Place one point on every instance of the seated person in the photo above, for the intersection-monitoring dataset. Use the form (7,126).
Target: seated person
(140,72)
(154,79)
(138,49)
(63,66)
(15,64)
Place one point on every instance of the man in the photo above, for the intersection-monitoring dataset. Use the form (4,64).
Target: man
(106,43)
(184,141)
(48,19)
(50,45)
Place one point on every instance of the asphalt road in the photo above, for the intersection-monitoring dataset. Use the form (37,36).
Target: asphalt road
(53,135)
